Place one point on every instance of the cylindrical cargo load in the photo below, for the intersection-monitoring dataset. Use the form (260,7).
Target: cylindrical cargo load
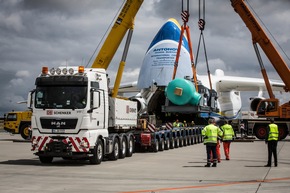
(180,92)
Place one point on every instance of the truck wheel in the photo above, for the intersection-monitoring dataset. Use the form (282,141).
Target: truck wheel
(167,144)
(25,131)
(130,147)
(162,144)
(123,149)
(283,132)
(172,143)
(156,146)
(185,141)
(115,153)
(176,142)
(180,141)
(260,131)
(45,160)
(97,153)
(191,139)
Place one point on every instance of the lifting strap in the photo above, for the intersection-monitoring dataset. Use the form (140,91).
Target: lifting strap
(201,26)
(185,27)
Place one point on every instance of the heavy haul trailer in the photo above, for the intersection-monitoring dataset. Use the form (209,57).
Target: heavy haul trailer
(179,100)
(165,138)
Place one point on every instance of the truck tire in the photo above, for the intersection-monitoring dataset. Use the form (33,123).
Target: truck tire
(116,148)
(98,155)
(156,146)
(123,149)
(172,143)
(283,131)
(192,140)
(185,141)
(130,148)
(180,141)
(25,131)
(45,159)
(162,144)
(177,142)
(260,131)
(167,144)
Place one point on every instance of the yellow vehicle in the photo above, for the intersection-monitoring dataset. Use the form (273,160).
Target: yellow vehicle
(18,122)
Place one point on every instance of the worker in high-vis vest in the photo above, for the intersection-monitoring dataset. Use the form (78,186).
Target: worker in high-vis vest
(272,136)
(177,123)
(210,135)
(228,137)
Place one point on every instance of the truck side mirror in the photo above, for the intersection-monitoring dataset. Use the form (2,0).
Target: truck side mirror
(29,99)
(95,100)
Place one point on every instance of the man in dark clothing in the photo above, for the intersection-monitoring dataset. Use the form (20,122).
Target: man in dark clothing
(272,135)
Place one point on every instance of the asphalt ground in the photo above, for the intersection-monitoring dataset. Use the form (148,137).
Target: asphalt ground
(176,170)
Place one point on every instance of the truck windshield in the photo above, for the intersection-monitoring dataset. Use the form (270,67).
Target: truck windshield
(61,97)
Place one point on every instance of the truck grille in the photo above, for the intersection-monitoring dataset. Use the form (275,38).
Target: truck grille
(58,123)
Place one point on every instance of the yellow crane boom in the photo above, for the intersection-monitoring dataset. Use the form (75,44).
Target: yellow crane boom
(123,23)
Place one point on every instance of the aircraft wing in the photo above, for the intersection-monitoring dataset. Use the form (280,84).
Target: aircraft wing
(246,84)
(129,87)
(224,83)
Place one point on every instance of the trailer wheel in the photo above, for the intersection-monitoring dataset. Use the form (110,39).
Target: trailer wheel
(156,146)
(115,153)
(172,143)
(181,141)
(177,142)
(260,131)
(25,131)
(45,159)
(162,144)
(167,144)
(192,140)
(97,153)
(130,147)
(185,141)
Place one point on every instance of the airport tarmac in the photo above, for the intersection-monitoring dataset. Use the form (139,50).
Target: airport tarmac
(178,170)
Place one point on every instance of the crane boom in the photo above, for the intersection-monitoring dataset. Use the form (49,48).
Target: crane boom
(259,36)
(123,23)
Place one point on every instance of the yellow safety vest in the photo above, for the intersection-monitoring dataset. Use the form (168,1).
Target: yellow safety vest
(179,124)
(211,132)
(228,132)
(273,132)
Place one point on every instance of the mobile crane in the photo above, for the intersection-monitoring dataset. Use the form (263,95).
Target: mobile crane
(267,108)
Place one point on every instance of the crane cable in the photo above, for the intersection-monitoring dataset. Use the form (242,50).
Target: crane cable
(185,27)
(201,25)
(268,31)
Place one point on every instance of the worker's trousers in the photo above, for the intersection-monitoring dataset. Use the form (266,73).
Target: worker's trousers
(272,149)
(211,150)
(226,145)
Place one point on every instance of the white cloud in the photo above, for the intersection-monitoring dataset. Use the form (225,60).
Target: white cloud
(22,74)
(49,33)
